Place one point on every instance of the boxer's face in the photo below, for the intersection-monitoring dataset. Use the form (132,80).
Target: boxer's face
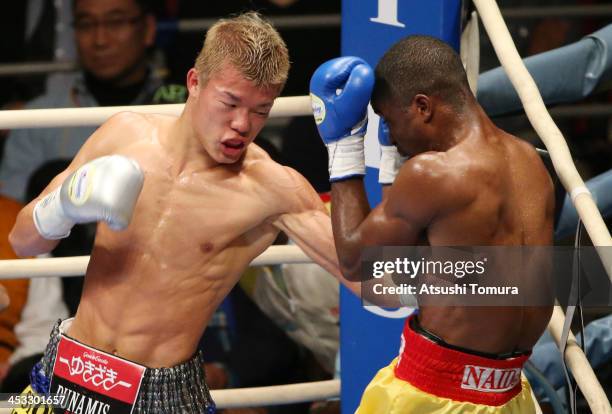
(112,37)
(229,112)
(404,123)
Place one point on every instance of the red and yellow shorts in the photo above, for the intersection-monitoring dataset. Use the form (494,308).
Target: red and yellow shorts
(430,378)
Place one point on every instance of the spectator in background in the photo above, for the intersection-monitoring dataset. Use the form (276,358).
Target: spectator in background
(48,299)
(27,36)
(12,292)
(300,40)
(112,39)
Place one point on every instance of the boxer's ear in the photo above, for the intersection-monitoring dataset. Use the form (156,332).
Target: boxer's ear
(193,82)
(423,106)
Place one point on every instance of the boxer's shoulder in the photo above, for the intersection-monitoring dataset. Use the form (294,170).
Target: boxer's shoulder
(255,154)
(270,173)
(134,121)
(126,119)
(525,150)
(278,183)
(435,183)
(430,168)
(126,129)
(258,164)
(117,127)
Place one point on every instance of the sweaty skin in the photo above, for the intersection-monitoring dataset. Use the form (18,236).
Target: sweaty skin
(204,213)
(468,183)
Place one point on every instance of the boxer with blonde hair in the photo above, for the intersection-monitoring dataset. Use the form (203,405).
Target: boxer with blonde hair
(184,205)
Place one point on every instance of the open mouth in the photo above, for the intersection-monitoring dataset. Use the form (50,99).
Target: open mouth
(232,147)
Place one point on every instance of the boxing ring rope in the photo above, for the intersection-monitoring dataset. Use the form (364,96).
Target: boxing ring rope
(544,125)
(232,398)
(37,68)
(304,21)
(559,152)
(267,396)
(77,265)
(580,12)
(71,117)
(276,394)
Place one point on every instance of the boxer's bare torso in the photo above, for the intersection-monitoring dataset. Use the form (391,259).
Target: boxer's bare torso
(151,289)
(480,187)
(211,202)
(497,192)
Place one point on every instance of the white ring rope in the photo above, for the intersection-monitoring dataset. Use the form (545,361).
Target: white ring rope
(277,394)
(266,396)
(66,117)
(579,365)
(76,266)
(543,124)
(232,398)
(577,191)
(562,160)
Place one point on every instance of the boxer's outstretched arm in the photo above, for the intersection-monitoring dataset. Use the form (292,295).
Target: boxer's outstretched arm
(408,207)
(24,237)
(308,224)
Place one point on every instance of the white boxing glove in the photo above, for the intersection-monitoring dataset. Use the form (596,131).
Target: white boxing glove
(390,159)
(105,189)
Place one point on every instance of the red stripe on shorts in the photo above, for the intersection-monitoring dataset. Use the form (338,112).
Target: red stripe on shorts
(457,375)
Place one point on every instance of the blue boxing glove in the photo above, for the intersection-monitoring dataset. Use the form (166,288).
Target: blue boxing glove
(340,90)
(390,159)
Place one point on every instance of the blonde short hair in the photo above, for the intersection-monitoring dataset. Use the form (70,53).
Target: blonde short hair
(250,44)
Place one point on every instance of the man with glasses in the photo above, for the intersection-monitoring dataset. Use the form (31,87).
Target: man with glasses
(112,39)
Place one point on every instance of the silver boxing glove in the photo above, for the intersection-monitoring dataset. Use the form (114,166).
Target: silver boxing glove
(105,189)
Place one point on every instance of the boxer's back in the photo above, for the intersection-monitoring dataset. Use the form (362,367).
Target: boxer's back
(506,198)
